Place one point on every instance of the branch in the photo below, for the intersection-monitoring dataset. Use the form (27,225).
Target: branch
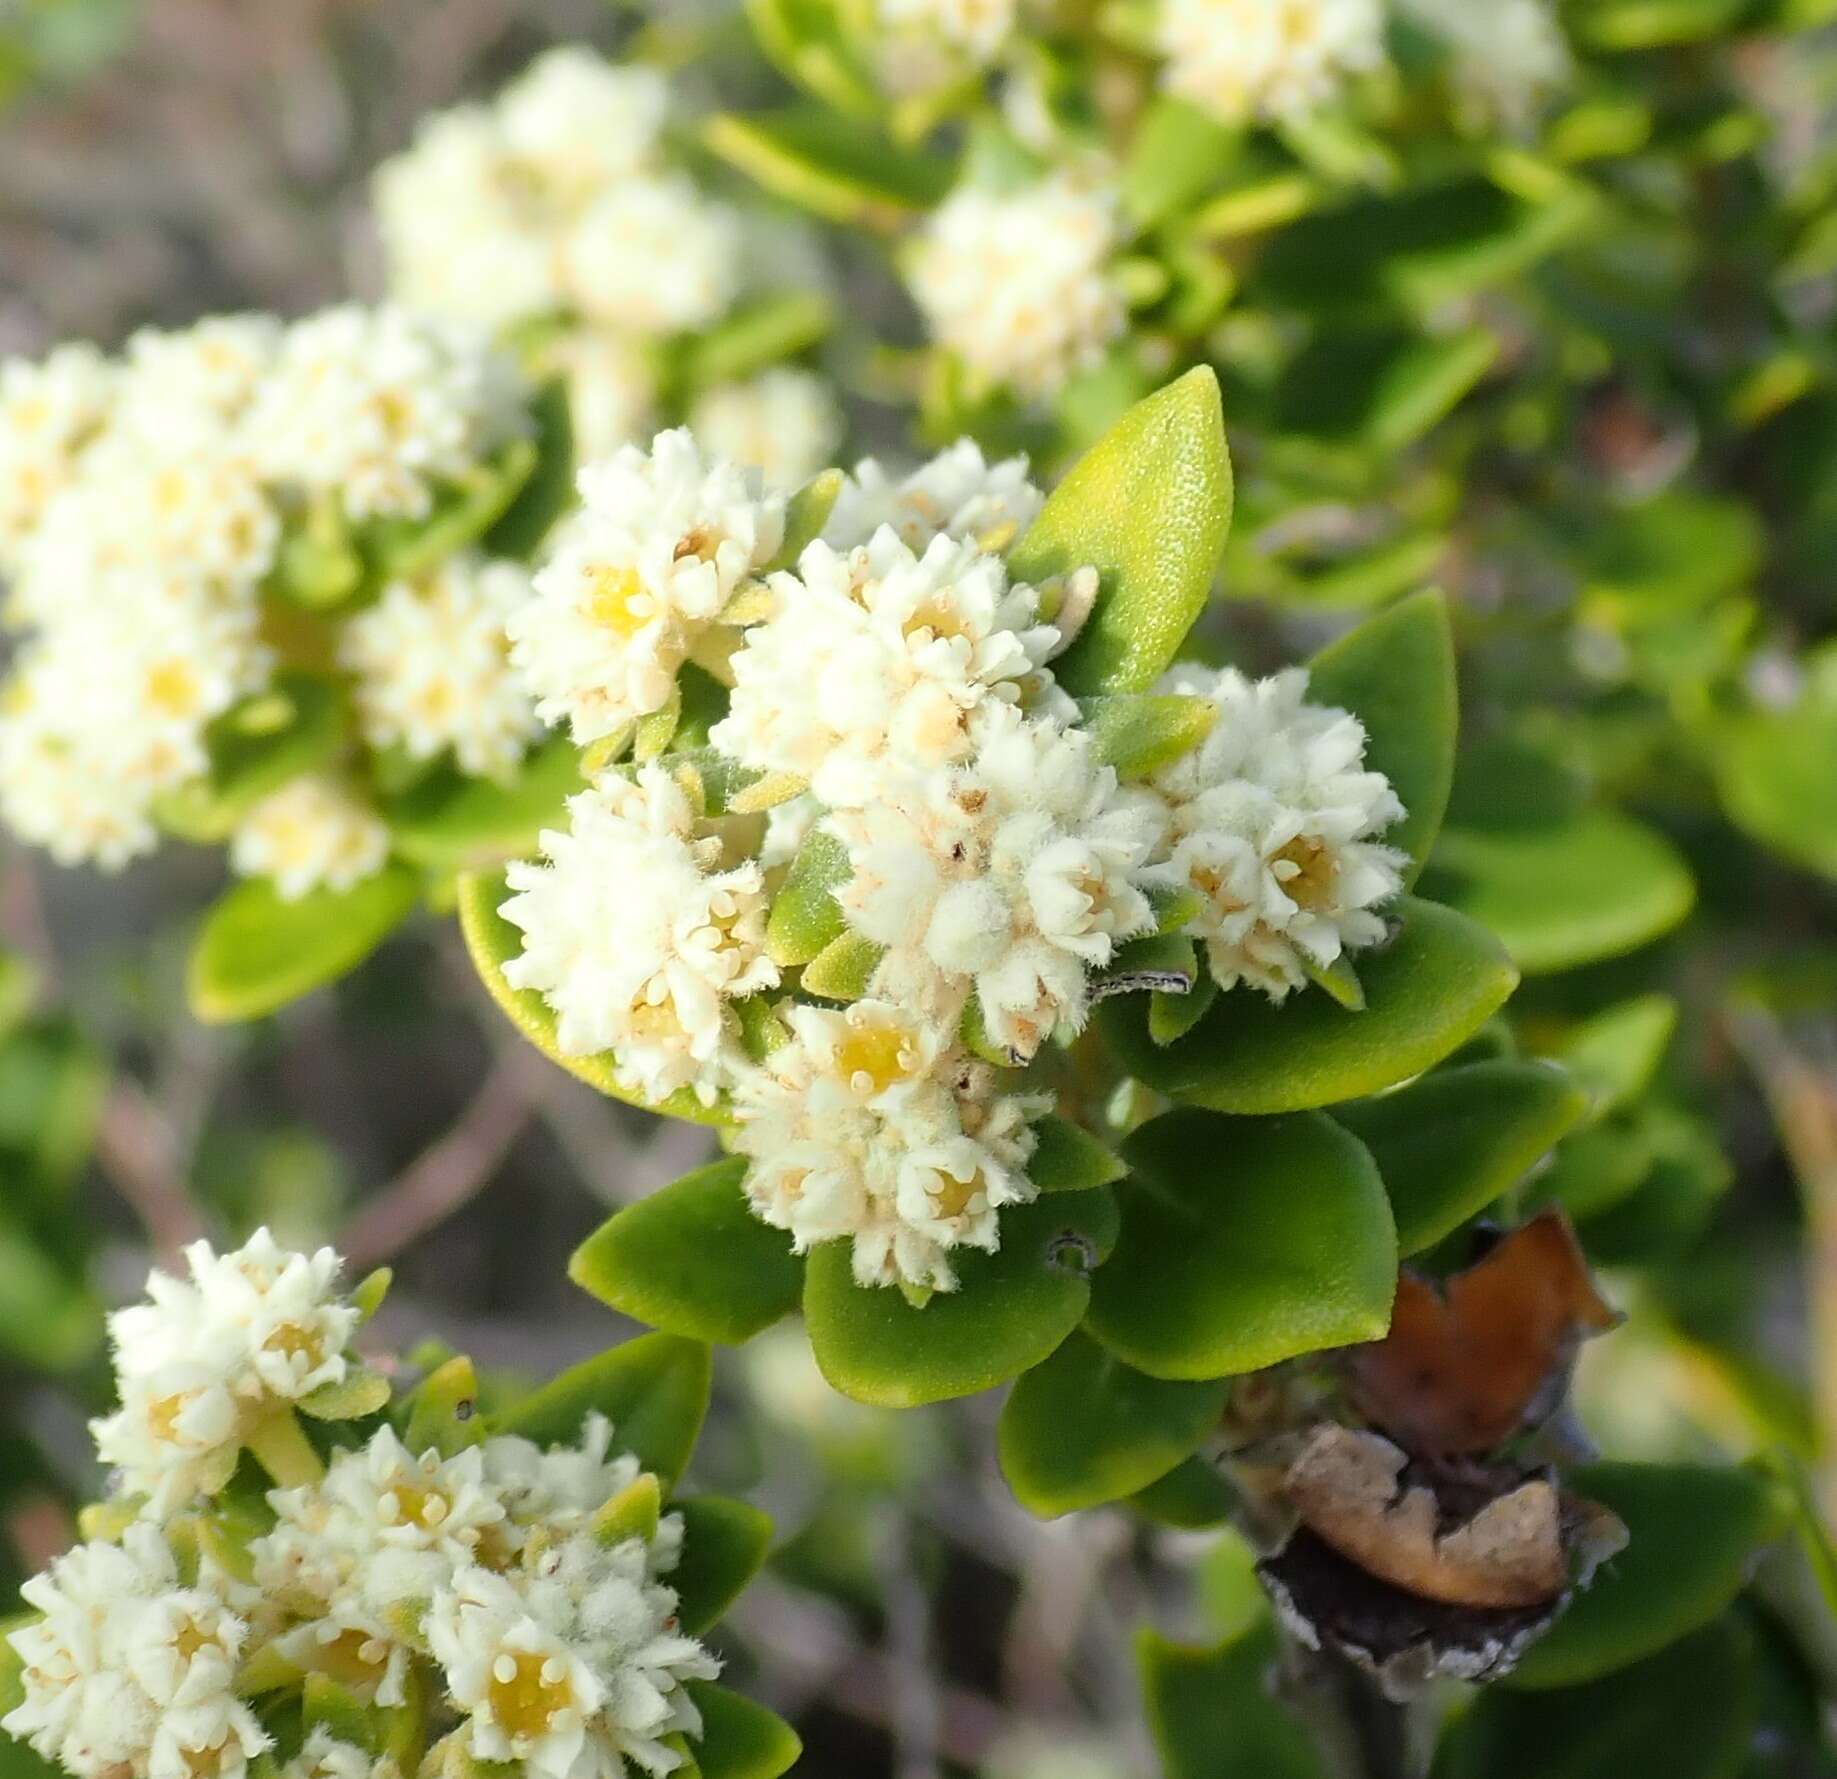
(453,1169)
(139,1151)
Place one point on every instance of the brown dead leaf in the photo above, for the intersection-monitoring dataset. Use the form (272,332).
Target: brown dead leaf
(1470,1364)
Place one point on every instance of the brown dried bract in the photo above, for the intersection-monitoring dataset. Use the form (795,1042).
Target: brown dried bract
(1467,1366)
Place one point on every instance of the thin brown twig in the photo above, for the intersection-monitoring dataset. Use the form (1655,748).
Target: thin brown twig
(140,1152)
(452,1169)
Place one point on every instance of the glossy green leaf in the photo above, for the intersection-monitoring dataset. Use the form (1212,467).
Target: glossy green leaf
(254,748)
(545,493)
(256,951)
(1693,1533)
(1148,506)
(1140,732)
(1172,1016)
(1381,390)
(492,942)
(450,821)
(1449,1143)
(441,1412)
(1244,1242)
(1009,1311)
(834,166)
(1773,769)
(805,915)
(1648,24)
(692,1259)
(653,1389)
(724,1546)
(1083,1428)
(1214,1714)
(740,1740)
(1568,894)
(1192,1497)
(1435,984)
(1686,1713)
(1068,1159)
(1395,673)
(1614,1055)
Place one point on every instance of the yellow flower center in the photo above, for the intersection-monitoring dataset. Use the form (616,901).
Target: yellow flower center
(1311,885)
(952,1197)
(172,689)
(527,1692)
(617,599)
(296,1342)
(883,1054)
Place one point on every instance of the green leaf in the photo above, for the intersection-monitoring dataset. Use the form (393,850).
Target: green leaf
(724,1546)
(1009,1311)
(52,1320)
(653,1389)
(358,1393)
(774,327)
(1395,673)
(692,1259)
(1448,1144)
(1570,894)
(1244,1242)
(18,990)
(1192,1497)
(254,748)
(740,1740)
(842,970)
(1773,770)
(1172,1016)
(1430,989)
(837,167)
(1674,552)
(806,513)
(1214,1714)
(1160,963)
(1148,506)
(1687,1713)
(1068,1159)
(1648,24)
(1614,1055)
(1380,390)
(449,821)
(256,951)
(492,942)
(1693,1533)
(407,549)
(53,1082)
(548,489)
(1177,155)
(1141,732)
(805,915)
(442,1410)
(1083,1428)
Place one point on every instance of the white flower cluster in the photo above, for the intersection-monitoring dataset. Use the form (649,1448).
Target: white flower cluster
(891,711)
(1273,820)
(208,1359)
(926,44)
(145,505)
(1509,55)
(512,1599)
(1249,60)
(559,202)
(1018,284)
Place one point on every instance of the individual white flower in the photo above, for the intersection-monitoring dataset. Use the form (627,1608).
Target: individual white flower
(783,423)
(128,1671)
(652,256)
(575,123)
(1017,283)
(638,938)
(381,408)
(196,381)
(663,540)
(1273,822)
(569,1663)
(432,666)
(612,391)
(957,494)
(557,1487)
(1014,874)
(1245,59)
(311,834)
(323,1756)
(49,410)
(869,1126)
(1510,54)
(878,654)
(463,235)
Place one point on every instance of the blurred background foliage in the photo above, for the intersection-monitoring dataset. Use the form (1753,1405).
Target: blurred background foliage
(1583,376)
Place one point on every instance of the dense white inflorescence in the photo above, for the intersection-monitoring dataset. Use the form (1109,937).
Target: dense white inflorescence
(1017,284)
(893,731)
(154,513)
(511,1599)
(1266,59)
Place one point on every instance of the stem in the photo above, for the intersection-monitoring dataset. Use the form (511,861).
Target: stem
(282,1449)
(1361,1734)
